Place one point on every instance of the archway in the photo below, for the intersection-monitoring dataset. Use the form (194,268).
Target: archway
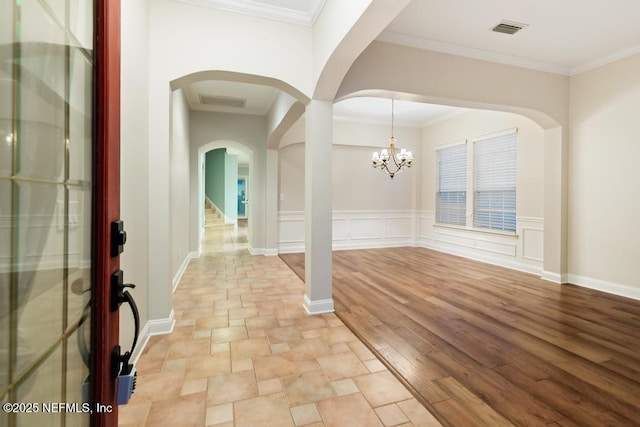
(202,151)
(248,134)
(482,88)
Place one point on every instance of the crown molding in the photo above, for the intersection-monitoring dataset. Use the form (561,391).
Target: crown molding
(587,66)
(262,10)
(438,46)
(469,52)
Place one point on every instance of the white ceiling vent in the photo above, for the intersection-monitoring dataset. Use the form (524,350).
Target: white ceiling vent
(508,27)
(222,101)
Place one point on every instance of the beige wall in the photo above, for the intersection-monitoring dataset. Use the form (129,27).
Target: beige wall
(180,175)
(356,185)
(476,123)
(134,162)
(604,176)
(291,178)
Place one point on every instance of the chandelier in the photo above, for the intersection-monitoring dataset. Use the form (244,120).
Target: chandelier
(389,161)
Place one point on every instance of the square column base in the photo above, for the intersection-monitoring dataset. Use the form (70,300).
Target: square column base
(318,307)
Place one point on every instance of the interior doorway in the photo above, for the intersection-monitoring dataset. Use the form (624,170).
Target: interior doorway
(243,198)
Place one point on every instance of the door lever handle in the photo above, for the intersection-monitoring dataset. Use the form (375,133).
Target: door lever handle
(120,362)
(118,289)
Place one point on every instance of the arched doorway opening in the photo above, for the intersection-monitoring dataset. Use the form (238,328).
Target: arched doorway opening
(220,189)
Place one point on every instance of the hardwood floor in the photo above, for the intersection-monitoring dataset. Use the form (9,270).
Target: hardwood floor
(481,345)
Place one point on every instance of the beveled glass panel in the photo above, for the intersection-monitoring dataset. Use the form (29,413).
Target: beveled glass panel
(81,22)
(45,222)
(79,254)
(43,385)
(5,268)
(76,372)
(58,8)
(40,260)
(42,80)
(6,29)
(80,110)
(6,85)
(6,136)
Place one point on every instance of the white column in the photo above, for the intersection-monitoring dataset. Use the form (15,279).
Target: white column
(271,204)
(318,206)
(555,206)
(160,281)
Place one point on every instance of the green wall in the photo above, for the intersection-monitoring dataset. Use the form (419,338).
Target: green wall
(221,181)
(214,180)
(231,187)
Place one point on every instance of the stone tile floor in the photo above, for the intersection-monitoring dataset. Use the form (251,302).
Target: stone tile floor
(244,353)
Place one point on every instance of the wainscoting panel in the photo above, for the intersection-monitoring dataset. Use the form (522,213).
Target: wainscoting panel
(378,229)
(291,227)
(398,227)
(521,251)
(340,229)
(366,228)
(533,244)
(352,230)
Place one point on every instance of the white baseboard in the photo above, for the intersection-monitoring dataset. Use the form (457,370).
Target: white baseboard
(486,258)
(318,307)
(553,277)
(256,251)
(291,248)
(183,267)
(263,251)
(342,246)
(152,327)
(605,286)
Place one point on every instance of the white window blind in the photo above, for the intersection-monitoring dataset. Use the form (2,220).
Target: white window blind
(451,186)
(494,197)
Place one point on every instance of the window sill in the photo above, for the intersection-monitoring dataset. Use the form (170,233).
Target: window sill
(477,230)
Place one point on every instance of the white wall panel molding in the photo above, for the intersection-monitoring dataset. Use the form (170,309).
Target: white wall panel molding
(352,229)
(366,228)
(291,231)
(522,251)
(363,229)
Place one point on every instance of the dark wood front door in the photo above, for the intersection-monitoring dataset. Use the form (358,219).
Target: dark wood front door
(105,322)
(59,193)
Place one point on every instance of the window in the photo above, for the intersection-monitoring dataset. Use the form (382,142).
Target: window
(451,186)
(494,195)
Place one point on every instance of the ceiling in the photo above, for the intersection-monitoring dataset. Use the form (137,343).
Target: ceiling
(564,37)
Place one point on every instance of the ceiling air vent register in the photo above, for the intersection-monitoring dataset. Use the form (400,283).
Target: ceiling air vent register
(222,101)
(508,27)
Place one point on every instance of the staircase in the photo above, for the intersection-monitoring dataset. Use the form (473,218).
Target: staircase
(212,218)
